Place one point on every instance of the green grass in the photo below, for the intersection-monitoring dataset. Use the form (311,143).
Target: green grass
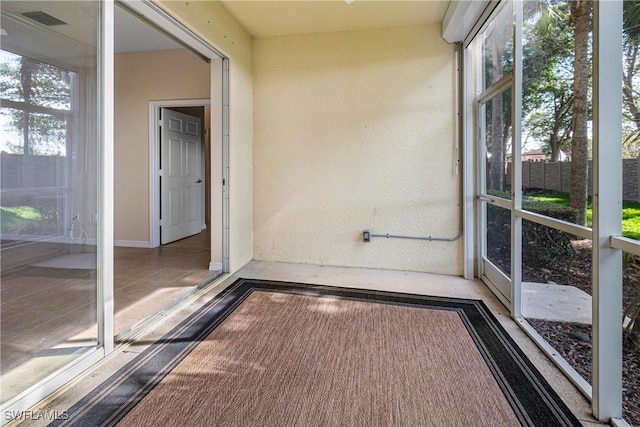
(630,212)
(17,218)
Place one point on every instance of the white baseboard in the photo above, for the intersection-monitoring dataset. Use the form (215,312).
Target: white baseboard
(132,243)
(215,266)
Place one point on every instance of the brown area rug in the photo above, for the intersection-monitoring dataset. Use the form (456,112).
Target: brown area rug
(275,354)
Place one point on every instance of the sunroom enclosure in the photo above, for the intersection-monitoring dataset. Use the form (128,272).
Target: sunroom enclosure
(494,119)
(517,233)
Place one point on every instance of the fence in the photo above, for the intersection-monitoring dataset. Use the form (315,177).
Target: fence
(556,176)
(18,171)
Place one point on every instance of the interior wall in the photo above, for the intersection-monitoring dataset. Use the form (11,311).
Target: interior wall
(356,130)
(141,77)
(213,23)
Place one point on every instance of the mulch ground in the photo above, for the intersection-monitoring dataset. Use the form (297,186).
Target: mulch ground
(573,341)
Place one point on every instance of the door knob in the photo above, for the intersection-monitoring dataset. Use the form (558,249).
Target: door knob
(198,181)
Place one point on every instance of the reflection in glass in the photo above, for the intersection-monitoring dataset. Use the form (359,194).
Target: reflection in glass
(48,196)
(556,292)
(41,84)
(497,137)
(497,47)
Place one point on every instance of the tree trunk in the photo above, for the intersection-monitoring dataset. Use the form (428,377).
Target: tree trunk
(496,149)
(580,14)
(496,165)
(555,148)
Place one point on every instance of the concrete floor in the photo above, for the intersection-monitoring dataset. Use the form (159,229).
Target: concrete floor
(397,281)
(48,304)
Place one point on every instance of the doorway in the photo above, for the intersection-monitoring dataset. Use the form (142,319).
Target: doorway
(153,266)
(181,173)
(201,110)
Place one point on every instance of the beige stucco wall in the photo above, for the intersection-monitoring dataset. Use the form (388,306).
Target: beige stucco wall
(139,78)
(356,130)
(213,23)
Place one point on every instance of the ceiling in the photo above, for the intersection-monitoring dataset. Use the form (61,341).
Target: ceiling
(74,41)
(271,18)
(70,44)
(133,35)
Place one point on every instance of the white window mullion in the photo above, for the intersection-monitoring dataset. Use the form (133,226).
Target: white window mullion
(105,300)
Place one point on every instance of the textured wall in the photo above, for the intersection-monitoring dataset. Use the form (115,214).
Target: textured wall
(356,130)
(212,22)
(135,86)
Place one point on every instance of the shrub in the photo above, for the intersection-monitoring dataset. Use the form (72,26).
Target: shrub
(541,245)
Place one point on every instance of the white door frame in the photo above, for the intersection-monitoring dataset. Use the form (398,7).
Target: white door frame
(154,165)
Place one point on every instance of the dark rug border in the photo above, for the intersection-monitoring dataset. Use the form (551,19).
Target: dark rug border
(532,399)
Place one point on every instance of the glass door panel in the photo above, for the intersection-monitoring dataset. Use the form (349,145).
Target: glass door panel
(48,190)
(496,125)
(495,133)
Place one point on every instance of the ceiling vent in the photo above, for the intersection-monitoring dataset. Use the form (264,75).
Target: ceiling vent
(44,18)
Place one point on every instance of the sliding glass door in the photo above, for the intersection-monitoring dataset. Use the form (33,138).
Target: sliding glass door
(50,189)
(494,118)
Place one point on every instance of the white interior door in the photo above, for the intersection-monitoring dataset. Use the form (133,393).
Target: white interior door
(181,184)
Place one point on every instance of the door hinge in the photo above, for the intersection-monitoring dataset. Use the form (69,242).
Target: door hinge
(223,181)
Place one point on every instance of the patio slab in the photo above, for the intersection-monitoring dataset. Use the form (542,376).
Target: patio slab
(560,303)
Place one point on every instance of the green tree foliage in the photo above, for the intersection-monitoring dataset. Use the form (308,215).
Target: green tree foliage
(631,79)
(547,74)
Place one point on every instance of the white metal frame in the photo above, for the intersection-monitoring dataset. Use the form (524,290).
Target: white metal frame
(606,392)
(516,166)
(226,241)
(607,210)
(467,114)
(497,280)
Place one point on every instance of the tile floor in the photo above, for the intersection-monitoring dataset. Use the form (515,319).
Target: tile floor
(48,303)
(398,281)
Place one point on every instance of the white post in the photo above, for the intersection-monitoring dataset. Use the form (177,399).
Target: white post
(607,210)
